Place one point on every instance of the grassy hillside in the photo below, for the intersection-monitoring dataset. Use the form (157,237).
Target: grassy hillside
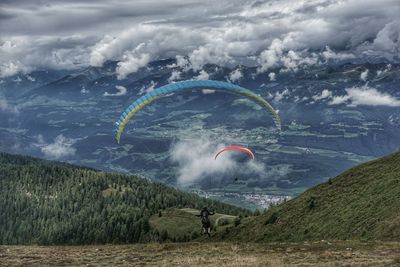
(46,202)
(182,224)
(175,225)
(362,203)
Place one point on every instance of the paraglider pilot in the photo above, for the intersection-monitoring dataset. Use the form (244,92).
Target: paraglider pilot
(205,220)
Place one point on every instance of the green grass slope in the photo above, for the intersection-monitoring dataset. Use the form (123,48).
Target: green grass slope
(44,202)
(362,203)
(175,225)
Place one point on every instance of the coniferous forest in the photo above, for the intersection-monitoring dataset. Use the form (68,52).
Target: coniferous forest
(45,202)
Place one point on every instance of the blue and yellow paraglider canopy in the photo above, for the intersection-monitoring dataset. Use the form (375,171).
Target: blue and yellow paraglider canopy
(186,86)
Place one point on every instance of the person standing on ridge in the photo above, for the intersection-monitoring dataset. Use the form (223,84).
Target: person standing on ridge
(205,220)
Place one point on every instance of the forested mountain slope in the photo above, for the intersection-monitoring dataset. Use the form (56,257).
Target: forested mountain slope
(48,202)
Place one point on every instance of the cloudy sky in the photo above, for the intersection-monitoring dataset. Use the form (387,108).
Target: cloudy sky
(67,34)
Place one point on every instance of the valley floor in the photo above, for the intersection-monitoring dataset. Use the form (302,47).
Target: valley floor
(320,253)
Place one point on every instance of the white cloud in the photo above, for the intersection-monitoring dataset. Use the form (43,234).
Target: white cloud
(272,76)
(100,51)
(84,91)
(60,148)
(338,100)
(270,57)
(22,54)
(11,68)
(30,78)
(329,54)
(212,53)
(387,42)
(195,159)
(279,54)
(235,75)
(203,75)
(281,95)
(121,91)
(182,62)
(175,75)
(291,34)
(369,96)
(382,73)
(364,75)
(365,96)
(147,89)
(324,94)
(131,63)
(295,60)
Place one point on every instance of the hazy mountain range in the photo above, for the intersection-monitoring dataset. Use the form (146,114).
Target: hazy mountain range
(334,116)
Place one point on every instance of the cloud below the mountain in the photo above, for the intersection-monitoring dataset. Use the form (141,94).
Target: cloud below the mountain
(195,161)
(358,96)
(121,91)
(369,96)
(61,147)
(324,95)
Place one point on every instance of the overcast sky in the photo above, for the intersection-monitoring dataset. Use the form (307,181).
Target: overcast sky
(65,34)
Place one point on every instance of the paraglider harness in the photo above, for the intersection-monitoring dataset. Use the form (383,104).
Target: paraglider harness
(205,221)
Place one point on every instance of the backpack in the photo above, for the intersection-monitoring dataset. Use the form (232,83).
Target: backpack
(204,217)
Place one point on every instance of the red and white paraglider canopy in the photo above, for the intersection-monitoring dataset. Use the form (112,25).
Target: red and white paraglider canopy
(239,148)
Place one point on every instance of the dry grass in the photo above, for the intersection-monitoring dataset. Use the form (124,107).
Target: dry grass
(211,254)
